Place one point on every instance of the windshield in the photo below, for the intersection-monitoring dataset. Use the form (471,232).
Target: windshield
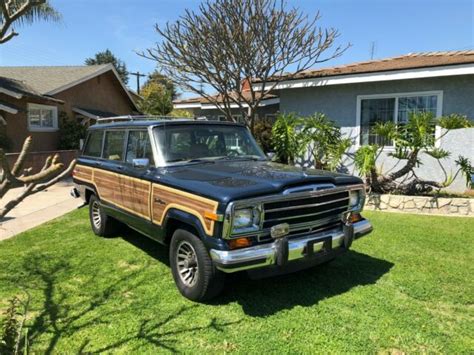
(196,143)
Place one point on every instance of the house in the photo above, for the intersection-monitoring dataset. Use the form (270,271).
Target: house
(357,95)
(202,107)
(33,98)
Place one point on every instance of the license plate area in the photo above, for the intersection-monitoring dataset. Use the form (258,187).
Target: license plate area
(319,246)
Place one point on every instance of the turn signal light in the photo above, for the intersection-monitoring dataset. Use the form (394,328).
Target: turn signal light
(239,243)
(355,217)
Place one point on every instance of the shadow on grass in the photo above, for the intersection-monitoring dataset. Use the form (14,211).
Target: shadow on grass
(261,298)
(63,312)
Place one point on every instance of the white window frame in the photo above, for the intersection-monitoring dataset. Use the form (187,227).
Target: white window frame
(40,128)
(396,96)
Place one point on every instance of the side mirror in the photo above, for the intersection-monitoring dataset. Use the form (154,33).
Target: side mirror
(270,155)
(141,163)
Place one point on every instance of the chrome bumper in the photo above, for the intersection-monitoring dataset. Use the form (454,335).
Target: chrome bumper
(265,254)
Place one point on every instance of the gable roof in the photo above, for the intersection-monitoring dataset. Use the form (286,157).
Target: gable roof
(17,89)
(408,61)
(50,80)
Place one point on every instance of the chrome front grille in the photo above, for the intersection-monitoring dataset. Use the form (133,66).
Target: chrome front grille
(304,210)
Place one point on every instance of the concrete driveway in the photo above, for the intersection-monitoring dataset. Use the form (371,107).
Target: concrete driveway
(37,209)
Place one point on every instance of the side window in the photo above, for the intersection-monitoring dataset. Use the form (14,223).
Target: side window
(113,146)
(139,147)
(93,146)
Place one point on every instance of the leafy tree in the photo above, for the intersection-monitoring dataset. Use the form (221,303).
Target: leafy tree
(23,12)
(227,43)
(107,57)
(324,137)
(411,140)
(287,140)
(156,99)
(178,113)
(159,78)
(263,134)
(70,132)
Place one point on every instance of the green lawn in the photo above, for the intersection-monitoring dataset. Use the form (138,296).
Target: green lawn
(406,287)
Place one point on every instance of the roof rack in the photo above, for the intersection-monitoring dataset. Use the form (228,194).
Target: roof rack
(136,118)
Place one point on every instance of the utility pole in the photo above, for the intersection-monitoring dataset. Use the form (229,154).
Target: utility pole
(138,75)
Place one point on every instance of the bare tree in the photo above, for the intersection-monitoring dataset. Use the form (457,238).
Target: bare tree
(51,172)
(228,42)
(19,12)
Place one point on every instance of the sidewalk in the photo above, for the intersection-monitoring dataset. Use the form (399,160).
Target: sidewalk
(37,209)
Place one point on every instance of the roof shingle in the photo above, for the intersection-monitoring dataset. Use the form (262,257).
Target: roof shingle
(50,78)
(408,61)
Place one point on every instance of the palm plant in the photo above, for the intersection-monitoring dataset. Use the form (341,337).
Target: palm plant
(287,139)
(327,145)
(23,12)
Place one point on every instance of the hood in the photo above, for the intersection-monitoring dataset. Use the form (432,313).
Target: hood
(228,181)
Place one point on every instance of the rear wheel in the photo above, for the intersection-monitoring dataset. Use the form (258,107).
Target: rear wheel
(102,225)
(193,270)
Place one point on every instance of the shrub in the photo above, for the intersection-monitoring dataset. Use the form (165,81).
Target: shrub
(70,132)
(263,134)
(5,142)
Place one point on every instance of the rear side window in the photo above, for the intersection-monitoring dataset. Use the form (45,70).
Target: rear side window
(139,146)
(113,146)
(93,146)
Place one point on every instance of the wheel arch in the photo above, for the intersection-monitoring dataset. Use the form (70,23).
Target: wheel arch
(179,219)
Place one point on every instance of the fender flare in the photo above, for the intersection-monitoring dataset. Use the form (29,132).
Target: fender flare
(187,218)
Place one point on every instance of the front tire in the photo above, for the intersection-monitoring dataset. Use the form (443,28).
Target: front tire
(102,225)
(193,271)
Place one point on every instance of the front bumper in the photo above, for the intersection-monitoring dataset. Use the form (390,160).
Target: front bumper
(321,245)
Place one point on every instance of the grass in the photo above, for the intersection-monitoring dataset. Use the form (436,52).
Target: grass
(408,287)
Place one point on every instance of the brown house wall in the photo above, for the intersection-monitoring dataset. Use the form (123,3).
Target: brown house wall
(17,126)
(103,93)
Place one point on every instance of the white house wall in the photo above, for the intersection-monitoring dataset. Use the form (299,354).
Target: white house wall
(339,102)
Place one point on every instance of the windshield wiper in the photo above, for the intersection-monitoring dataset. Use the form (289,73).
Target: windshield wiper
(186,161)
(240,157)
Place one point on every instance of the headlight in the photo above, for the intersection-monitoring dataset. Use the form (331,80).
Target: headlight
(354,199)
(246,220)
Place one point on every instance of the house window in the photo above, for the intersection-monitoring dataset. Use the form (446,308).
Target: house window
(395,108)
(42,117)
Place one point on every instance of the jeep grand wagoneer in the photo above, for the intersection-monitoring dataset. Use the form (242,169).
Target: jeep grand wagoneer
(206,189)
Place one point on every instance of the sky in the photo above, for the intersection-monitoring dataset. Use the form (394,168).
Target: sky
(127,27)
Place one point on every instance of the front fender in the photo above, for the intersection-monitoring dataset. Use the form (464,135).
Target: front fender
(188,219)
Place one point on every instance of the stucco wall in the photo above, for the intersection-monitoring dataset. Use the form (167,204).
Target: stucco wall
(339,102)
